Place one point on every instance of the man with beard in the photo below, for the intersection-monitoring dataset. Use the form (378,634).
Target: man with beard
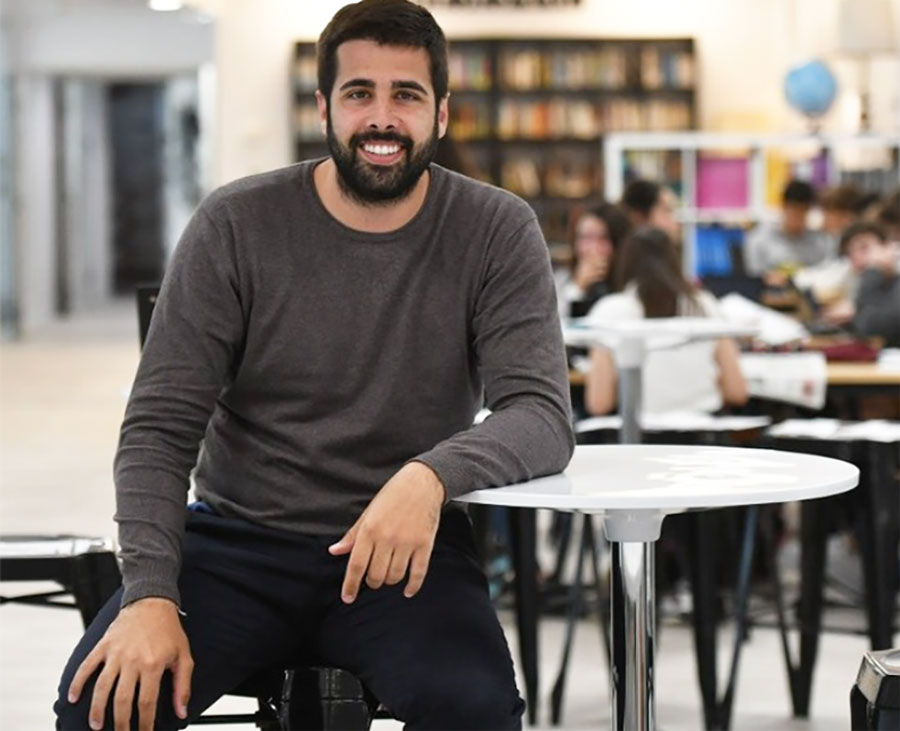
(329,331)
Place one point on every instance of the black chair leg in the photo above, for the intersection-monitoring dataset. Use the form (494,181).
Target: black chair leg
(809,614)
(742,594)
(879,536)
(94,579)
(523,532)
(703,584)
(603,595)
(564,522)
(573,611)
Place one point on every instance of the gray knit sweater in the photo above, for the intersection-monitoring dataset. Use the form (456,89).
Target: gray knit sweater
(313,361)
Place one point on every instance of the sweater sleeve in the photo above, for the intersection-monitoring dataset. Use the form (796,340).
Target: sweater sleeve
(191,349)
(521,359)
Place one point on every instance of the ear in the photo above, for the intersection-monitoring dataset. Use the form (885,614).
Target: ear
(322,104)
(443,113)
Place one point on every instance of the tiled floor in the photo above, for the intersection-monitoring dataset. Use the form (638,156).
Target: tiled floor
(61,399)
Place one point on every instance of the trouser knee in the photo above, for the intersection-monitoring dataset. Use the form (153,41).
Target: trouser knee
(76,716)
(466,705)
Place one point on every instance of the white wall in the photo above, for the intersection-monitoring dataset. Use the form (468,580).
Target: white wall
(744,49)
(102,39)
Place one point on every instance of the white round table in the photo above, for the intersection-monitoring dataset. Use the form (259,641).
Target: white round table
(634,487)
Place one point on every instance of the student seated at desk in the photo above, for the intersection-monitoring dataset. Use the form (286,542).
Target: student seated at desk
(700,376)
(835,283)
(842,206)
(877,305)
(599,232)
(774,251)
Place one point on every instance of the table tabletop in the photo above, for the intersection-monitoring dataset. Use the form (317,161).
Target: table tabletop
(861,374)
(666,478)
(656,333)
(837,374)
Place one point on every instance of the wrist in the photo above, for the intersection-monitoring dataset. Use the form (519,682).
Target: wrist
(152,602)
(430,478)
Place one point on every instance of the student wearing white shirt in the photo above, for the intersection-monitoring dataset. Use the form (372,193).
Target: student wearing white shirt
(700,376)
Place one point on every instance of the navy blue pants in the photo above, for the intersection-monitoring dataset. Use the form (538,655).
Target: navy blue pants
(257,599)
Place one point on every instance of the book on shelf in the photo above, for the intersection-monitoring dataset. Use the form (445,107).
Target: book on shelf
(528,69)
(550,119)
(723,181)
(626,115)
(470,120)
(469,69)
(305,74)
(306,123)
(716,248)
(520,175)
(662,68)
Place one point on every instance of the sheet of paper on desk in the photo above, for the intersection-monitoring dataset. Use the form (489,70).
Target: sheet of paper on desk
(889,359)
(796,378)
(772,327)
(873,430)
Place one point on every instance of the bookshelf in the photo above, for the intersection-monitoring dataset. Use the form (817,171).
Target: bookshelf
(728,183)
(532,113)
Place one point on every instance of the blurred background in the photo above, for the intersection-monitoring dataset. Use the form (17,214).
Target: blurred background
(118,116)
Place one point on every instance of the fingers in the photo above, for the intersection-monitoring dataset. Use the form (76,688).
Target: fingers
(356,568)
(418,568)
(147,699)
(85,670)
(379,564)
(123,699)
(182,671)
(398,567)
(102,689)
(345,545)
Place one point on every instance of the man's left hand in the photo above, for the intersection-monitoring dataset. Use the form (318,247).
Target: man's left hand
(395,533)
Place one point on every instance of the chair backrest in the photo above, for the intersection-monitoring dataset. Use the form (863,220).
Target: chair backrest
(146,299)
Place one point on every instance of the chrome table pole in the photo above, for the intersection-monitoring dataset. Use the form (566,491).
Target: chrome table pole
(632,536)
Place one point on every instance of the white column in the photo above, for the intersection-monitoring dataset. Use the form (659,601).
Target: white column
(35,204)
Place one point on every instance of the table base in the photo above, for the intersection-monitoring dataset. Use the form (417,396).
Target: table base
(633,636)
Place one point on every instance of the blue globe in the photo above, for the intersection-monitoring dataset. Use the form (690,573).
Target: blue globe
(810,88)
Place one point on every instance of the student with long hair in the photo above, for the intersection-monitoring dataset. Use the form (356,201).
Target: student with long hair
(700,376)
(598,234)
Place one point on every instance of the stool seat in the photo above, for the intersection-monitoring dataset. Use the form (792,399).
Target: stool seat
(84,566)
(59,546)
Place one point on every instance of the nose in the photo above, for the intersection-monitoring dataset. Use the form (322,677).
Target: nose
(383,116)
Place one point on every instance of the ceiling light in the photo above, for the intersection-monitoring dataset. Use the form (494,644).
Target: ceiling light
(165,5)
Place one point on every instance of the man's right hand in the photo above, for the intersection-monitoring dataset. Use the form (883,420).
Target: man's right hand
(145,640)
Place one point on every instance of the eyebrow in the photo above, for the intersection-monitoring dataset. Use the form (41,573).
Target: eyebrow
(369,84)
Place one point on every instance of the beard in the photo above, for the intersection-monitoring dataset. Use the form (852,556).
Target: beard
(379,185)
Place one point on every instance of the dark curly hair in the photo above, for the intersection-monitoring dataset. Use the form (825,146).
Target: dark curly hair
(388,23)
